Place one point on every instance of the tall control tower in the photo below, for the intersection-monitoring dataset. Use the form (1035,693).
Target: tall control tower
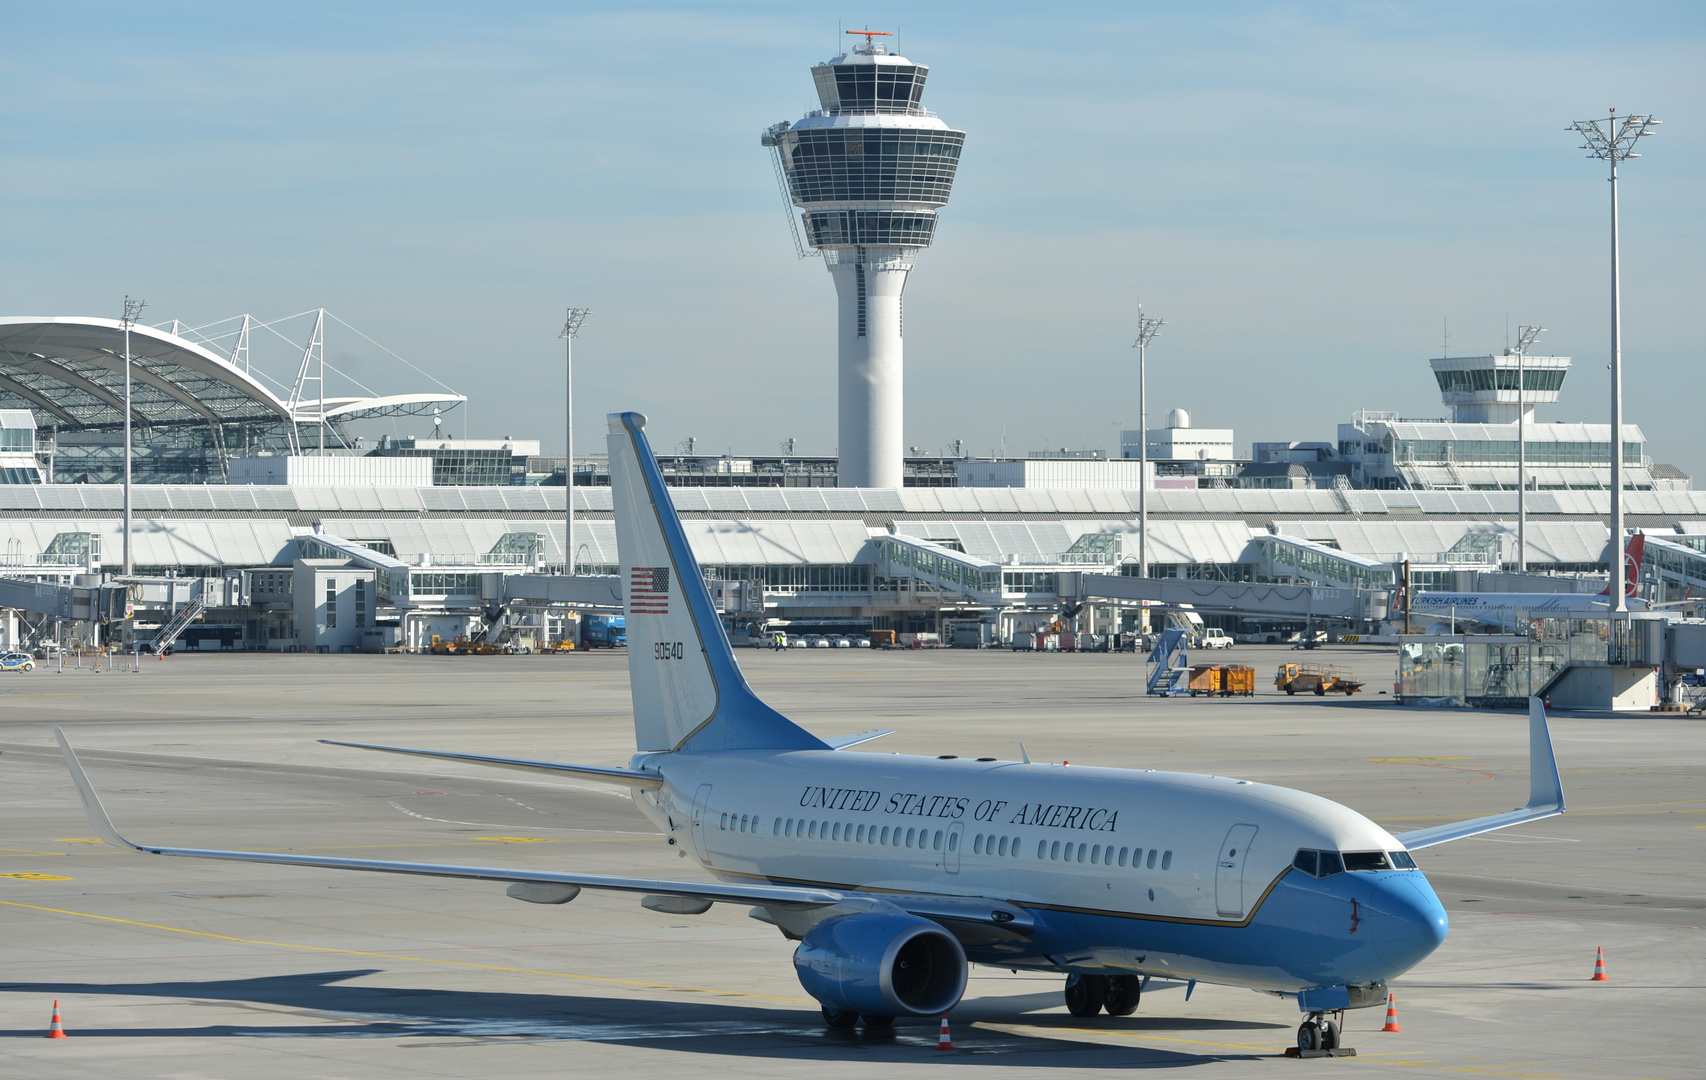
(869,171)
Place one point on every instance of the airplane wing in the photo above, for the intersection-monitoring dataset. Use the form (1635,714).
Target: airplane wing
(723,892)
(631,777)
(1545,792)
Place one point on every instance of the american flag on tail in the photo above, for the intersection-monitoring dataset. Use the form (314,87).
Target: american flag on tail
(648,590)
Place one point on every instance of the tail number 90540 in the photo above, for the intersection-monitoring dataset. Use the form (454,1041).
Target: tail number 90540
(667,650)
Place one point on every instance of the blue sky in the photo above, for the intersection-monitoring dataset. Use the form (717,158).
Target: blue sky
(1304,192)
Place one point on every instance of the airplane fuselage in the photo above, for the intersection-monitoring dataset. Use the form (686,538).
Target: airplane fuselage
(1169,874)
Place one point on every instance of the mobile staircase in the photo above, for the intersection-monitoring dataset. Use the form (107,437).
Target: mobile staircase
(176,625)
(1169,670)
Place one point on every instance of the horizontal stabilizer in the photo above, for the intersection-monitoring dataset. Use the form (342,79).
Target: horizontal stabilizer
(842,742)
(631,777)
(722,892)
(1545,792)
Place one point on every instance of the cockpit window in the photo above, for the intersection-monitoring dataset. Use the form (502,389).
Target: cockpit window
(1306,861)
(1366,860)
(1331,864)
(1402,860)
(1318,863)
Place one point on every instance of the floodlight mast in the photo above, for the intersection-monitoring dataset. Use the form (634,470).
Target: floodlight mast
(132,311)
(1147,328)
(571,328)
(1613,143)
(1525,338)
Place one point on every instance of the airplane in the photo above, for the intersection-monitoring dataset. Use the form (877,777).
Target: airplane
(894,873)
(1502,610)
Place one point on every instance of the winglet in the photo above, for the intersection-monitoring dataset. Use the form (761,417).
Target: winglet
(1545,787)
(1545,792)
(91,802)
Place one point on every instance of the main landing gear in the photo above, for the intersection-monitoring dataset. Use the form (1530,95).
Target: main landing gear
(1087,995)
(844,1019)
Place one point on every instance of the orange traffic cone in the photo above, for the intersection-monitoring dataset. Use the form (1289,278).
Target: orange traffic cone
(1391,1014)
(943,1040)
(1599,974)
(55,1029)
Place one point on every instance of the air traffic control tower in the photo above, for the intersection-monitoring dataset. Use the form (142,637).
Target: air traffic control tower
(868,171)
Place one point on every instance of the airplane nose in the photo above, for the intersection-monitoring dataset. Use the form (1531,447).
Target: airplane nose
(1414,922)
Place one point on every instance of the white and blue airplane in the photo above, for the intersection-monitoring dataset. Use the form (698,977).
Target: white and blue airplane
(894,873)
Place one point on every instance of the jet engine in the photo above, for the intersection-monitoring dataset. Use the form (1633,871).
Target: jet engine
(882,964)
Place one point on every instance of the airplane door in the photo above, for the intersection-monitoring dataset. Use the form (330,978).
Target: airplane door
(701,806)
(951,855)
(1229,870)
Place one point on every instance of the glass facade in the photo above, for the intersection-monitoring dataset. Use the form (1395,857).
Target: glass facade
(870,165)
(1548,379)
(1503,452)
(870,88)
(842,228)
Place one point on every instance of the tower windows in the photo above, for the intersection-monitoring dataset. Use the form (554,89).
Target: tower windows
(859,271)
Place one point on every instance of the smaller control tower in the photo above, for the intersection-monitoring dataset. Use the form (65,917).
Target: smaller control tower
(869,170)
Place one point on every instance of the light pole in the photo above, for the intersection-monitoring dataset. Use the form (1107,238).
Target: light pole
(571,327)
(1147,328)
(1613,143)
(132,310)
(1525,338)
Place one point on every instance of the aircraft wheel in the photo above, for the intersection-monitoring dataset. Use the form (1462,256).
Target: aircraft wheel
(1123,994)
(1320,691)
(1329,1035)
(1085,994)
(1309,1036)
(839,1018)
(872,1020)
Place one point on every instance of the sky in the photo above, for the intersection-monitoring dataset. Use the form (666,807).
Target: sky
(1313,196)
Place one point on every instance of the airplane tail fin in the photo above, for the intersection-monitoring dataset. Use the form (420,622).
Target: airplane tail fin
(689,694)
(1632,556)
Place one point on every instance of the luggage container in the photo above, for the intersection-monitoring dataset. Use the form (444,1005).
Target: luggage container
(1205,679)
(1238,679)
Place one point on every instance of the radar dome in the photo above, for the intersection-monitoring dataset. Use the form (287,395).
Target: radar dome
(1178,418)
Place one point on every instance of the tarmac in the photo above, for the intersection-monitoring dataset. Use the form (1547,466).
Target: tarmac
(189,968)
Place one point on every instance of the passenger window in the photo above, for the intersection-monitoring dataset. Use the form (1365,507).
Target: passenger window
(776,829)
(1054,850)
(1042,848)
(837,831)
(1166,860)
(1081,849)
(953,842)
(1123,853)
(1151,865)
(1096,854)
(1306,861)
(885,838)
(1003,850)
(1331,864)
(725,822)
(977,845)
(936,841)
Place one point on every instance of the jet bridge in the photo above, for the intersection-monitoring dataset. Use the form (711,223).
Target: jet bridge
(1242,597)
(909,561)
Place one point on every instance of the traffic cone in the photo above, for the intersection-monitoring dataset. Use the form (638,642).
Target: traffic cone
(56,1030)
(1391,1014)
(943,1040)
(1599,974)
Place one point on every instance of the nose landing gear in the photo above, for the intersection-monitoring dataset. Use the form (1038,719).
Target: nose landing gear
(1318,1036)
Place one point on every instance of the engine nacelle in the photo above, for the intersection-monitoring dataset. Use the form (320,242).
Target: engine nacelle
(883,964)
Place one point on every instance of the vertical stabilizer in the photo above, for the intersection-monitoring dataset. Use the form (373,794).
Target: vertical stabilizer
(689,693)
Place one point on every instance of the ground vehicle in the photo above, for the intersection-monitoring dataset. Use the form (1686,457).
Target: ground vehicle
(840,642)
(860,641)
(17,661)
(1215,638)
(795,641)
(1316,679)
(882,639)
(818,641)
(604,632)
(1223,680)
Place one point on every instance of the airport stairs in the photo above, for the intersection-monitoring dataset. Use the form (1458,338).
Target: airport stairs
(174,627)
(1169,669)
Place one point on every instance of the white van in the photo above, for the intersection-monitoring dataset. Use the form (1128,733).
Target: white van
(1215,638)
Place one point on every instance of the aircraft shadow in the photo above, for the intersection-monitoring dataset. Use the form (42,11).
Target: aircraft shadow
(327,1005)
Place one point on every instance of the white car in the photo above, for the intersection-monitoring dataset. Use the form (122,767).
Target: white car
(860,641)
(1215,638)
(840,642)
